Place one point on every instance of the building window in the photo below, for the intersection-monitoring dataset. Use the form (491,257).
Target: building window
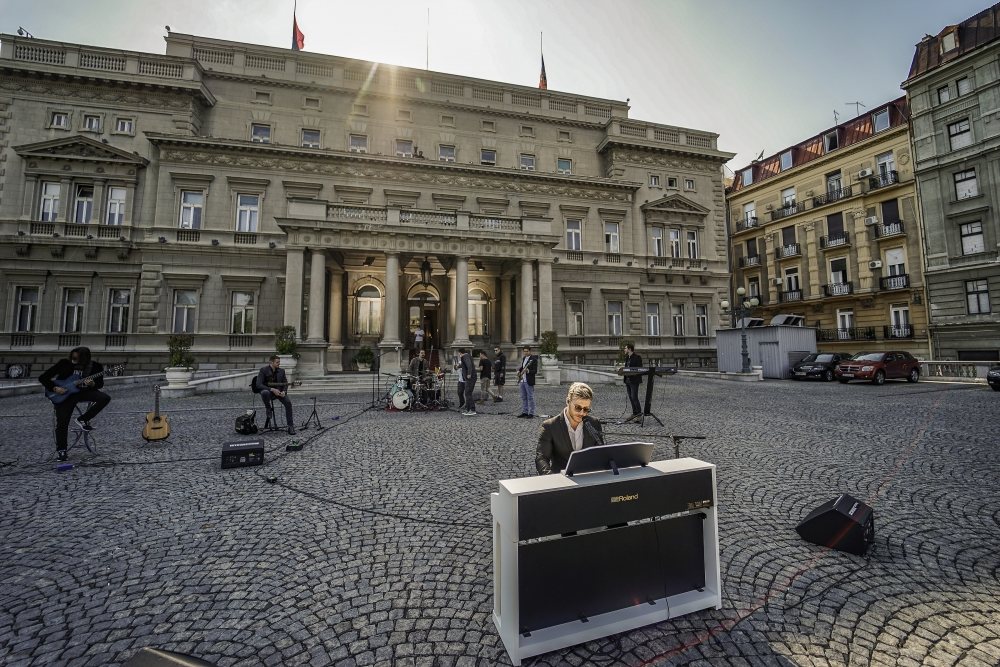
(576,318)
(59,119)
(949,42)
(261,97)
(367,318)
(74,301)
(977,296)
(26,299)
(786,160)
(404,114)
(116,206)
(615,318)
(689,184)
(881,120)
(788,198)
(692,244)
(677,319)
(574,234)
(478,313)
(260,133)
(91,123)
(753,287)
(358,143)
(701,319)
(792,279)
(488,126)
(565,135)
(310,138)
(192,202)
(899,316)
(125,126)
(749,212)
(747,177)
(247,212)
(119,307)
(83,204)
(831,141)
(965,184)
(448,120)
(972,238)
(527,161)
(838,271)
(895,262)
(487,156)
(656,234)
(885,164)
(359,109)
(564,165)
(654,181)
(527,131)
(671,182)
(185,310)
(834,183)
(242,313)
(49,208)
(446,153)
(960,134)
(311,103)
(404,148)
(963,86)
(611,238)
(652,319)
(944,94)
(675,243)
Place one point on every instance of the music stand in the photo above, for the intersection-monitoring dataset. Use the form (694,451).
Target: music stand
(609,457)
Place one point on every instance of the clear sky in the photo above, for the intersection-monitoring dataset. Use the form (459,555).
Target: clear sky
(764,74)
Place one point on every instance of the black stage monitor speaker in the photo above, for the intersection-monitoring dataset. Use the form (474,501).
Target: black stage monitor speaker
(156,657)
(245,452)
(844,523)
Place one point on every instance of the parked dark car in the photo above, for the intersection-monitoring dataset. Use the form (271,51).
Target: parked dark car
(993,377)
(877,367)
(818,365)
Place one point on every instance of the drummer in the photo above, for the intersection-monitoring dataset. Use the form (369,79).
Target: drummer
(418,366)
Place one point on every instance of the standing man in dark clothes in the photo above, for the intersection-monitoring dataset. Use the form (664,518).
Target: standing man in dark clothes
(499,373)
(272,384)
(469,371)
(485,372)
(632,382)
(457,365)
(78,365)
(526,382)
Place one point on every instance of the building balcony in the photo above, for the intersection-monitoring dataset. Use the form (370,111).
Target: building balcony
(852,333)
(889,229)
(895,332)
(788,250)
(790,295)
(900,281)
(840,240)
(747,223)
(788,210)
(838,289)
(833,195)
(749,262)
(883,180)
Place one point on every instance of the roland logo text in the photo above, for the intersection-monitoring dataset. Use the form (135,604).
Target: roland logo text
(625,499)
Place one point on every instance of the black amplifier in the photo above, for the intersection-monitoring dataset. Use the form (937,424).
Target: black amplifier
(249,452)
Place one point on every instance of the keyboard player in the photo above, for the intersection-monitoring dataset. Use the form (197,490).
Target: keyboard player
(570,430)
(632,382)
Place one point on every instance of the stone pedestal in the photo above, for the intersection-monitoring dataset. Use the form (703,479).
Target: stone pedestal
(334,357)
(310,364)
(392,357)
(551,369)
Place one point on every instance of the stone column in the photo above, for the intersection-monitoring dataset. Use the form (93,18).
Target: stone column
(452,292)
(99,213)
(30,200)
(390,330)
(545,295)
(527,299)
(66,196)
(335,306)
(505,312)
(293,289)
(317,295)
(461,303)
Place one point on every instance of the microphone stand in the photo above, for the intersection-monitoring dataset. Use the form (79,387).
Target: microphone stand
(376,371)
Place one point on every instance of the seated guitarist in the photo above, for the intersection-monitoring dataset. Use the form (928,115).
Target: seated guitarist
(80,365)
(272,384)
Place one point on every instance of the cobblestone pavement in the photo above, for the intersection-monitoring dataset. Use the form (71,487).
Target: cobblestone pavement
(374,544)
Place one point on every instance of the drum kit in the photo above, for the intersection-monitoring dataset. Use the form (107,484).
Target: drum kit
(409,392)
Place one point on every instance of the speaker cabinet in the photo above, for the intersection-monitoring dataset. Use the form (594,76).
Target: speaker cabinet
(157,657)
(844,523)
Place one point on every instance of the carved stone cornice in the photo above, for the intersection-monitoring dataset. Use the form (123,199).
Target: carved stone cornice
(90,94)
(690,162)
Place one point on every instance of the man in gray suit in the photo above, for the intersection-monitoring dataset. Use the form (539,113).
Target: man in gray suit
(571,430)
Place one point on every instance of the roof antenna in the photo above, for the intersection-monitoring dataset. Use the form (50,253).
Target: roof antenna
(836,117)
(857,107)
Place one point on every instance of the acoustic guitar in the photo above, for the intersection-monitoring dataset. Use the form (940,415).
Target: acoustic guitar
(72,385)
(157,427)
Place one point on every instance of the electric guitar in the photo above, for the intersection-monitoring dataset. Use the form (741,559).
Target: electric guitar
(72,385)
(157,427)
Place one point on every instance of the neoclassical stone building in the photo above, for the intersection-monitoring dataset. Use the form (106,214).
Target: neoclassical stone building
(224,189)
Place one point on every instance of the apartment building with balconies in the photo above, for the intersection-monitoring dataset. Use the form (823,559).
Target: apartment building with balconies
(828,229)
(953,89)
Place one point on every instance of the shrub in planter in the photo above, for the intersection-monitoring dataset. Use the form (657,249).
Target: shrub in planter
(179,347)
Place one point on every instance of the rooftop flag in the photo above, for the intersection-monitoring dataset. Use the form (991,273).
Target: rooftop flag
(298,38)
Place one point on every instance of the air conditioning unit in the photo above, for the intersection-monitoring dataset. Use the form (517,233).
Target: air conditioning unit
(871,220)
(777,281)
(865,173)
(875,264)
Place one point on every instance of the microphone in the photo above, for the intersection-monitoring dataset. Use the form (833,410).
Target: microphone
(594,433)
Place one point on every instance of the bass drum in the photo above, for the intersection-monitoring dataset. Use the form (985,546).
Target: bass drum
(401,399)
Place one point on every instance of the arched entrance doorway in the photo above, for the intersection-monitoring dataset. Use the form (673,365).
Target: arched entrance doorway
(423,308)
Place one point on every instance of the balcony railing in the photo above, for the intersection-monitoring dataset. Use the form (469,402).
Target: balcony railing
(745,223)
(661,261)
(574,255)
(428,218)
(889,229)
(494,223)
(612,258)
(838,289)
(69,340)
(363,213)
(785,211)
(904,331)
(832,196)
(790,295)
(899,281)
(835,240)
(852,333)
(883,180)
(240,340)
(747,262)
(788,250)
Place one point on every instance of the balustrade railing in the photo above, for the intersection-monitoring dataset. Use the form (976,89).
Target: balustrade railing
(788,250)
(889,229)
(902,331)
(491,223)
(899,281)
(883,180)
(428,218)
(785,211)
(838,289)
(835,240)
(790,295)
(832,196)
(746,222)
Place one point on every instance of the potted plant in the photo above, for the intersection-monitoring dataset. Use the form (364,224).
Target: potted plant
(364,358)
(547,347)
(287,347)
(180,366)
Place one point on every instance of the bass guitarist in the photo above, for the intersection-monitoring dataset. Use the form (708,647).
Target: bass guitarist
(78,365)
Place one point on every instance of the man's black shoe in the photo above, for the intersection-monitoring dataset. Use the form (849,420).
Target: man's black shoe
(62,455)
(523,415)
(291,430)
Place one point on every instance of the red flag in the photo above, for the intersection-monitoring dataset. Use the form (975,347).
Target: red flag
(298,38)
(543,82)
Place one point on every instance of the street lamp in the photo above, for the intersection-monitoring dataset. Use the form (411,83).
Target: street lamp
(743,309)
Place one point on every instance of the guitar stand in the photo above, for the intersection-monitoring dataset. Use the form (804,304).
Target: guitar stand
(313,417)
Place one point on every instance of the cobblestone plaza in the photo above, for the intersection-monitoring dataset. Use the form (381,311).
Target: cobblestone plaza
(374,544)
